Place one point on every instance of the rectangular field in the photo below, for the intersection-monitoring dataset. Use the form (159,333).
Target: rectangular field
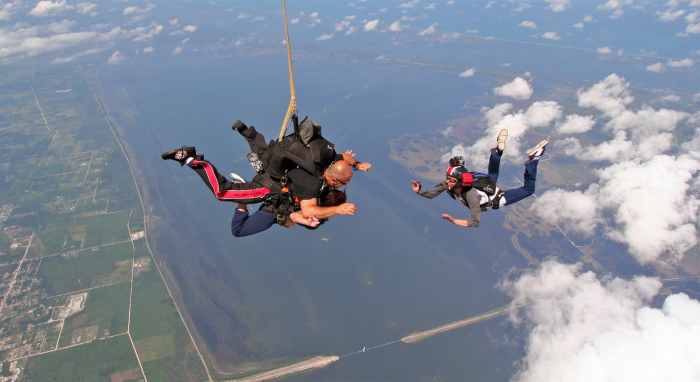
(106,265)
(98,361)
(106,313)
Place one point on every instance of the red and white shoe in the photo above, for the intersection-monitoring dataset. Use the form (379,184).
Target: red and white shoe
(180,155)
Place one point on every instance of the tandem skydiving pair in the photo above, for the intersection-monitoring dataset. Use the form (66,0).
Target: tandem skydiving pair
(478,191)
(297,181)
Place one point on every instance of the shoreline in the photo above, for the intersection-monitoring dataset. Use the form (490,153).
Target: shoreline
(210,362)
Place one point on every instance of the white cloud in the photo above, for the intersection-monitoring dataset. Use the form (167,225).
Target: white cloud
(604,50)
(582,328)
(616,7)
(148,50)
(468,72)
(543,113)
(576,124)
(49,7)
(647,191)
(456,150)
(692,17)
(611,96)
(528,24)
(7,9)
(144,33)
(325,36)
(655,210)
(669,15)
(371,25)
(342,25)
(71,58)
(671,98)
(178,50)
(115,58)
(684,63)
(314,18)
(693,28)
(579,25)
(574,211)
(395,26)
(190,28)
(587,19)
(409,4)
(551,36)
(647,120)
(558,5)
(429,30)
(496,113)
(519,89)
(35,40)
(24,40)
(615,149)
(637,135)
(174,21)
(134,10)
(86,8)
(693,146)
(658,67)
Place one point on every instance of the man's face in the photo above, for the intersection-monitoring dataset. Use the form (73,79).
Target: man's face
(451,183)
(337,182)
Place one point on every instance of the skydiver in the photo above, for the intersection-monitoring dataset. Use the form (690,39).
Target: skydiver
(479,192)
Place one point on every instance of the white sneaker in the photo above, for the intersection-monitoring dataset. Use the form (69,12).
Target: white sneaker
(236,178)
(501,140)
(536,151)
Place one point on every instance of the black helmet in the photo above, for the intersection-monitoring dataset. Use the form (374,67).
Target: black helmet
(457,161)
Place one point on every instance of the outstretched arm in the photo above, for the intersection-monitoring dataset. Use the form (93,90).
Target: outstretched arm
(438,189)
(473,199)
(349,157)
(310,208)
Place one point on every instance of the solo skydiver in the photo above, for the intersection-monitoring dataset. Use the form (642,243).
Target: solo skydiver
(479,192)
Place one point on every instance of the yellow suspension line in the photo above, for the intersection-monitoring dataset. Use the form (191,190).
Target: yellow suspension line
(292,108)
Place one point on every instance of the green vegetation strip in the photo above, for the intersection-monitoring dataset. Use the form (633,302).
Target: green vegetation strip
(159,335)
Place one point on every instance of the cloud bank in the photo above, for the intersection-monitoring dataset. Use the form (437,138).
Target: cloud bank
(586,329)
(645,192)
